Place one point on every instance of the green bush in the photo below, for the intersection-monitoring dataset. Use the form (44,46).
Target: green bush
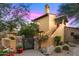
(65,47)
(58,49)
(29,30)
(2,52)
(44,37)
(57,40)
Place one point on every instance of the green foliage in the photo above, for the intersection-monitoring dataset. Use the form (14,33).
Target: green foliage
(11,25)
(71,10)
(2,52)
(14,10)
(29,30)
(16,16)
(2,25)
(66,47)
(44,37)
(4,9)
(57,39)
(58,49)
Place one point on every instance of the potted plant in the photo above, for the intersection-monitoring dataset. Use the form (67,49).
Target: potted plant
(19,49)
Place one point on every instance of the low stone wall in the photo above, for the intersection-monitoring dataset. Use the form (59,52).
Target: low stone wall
(7,42)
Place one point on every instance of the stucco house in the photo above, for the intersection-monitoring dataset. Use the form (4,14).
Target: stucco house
(53,26)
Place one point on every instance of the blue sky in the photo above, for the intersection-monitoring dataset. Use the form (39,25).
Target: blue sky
(37,9)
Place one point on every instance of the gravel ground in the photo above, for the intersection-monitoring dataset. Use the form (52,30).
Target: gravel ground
(31,53)
(74,51)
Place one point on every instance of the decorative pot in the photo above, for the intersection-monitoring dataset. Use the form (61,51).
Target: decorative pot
(20,50)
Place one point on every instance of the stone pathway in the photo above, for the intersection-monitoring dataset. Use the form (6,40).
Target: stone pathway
(31,53)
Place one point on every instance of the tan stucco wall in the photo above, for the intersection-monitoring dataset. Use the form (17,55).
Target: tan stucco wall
(67,33)
(13,45)
(47,24)
(43,23)
(52,27)
(59,32)
(52,24)
(8,43)
(47,43)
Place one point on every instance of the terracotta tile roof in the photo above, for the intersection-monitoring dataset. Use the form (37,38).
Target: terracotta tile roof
(58,18)
(40,17)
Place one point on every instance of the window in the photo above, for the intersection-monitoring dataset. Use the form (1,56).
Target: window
(72,33)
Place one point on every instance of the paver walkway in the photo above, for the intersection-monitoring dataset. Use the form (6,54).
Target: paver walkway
(31,53)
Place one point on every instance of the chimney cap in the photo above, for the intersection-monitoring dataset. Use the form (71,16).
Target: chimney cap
(47,6)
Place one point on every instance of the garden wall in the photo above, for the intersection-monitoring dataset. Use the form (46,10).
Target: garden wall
(67,34)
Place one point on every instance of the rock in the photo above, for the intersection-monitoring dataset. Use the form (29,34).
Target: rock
(43,50)
(50,49)
(72,44)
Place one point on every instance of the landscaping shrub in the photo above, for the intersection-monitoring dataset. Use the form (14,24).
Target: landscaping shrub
(57,40)
(58,49)
(65,47)
(44,37)
(2,52)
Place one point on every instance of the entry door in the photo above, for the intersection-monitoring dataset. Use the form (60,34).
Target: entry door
(28,43)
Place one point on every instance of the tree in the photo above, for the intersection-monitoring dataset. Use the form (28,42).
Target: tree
(29,30)
(13,10)
(20,10)
(2,25)
(3,12)
(71,10)
(13,14)
(4,9)
(10,25)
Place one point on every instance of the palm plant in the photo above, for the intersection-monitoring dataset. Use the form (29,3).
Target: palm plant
(71,10)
